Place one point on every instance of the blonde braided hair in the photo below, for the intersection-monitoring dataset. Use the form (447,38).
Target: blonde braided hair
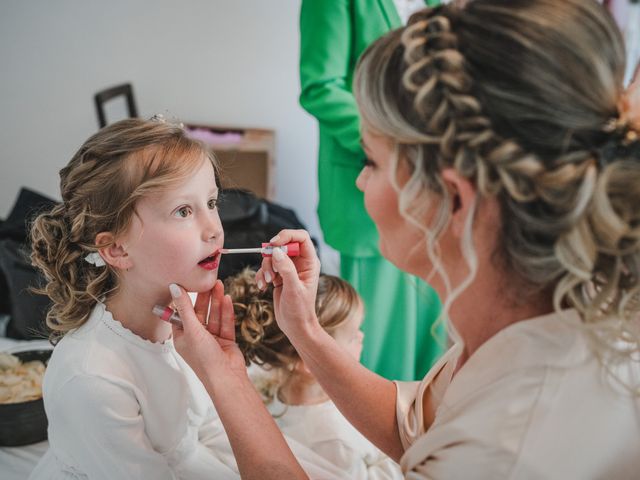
(515,96)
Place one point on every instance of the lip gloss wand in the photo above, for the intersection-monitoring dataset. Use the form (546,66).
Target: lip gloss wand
(290,249)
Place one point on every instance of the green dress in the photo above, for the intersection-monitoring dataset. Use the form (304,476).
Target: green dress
(399,309)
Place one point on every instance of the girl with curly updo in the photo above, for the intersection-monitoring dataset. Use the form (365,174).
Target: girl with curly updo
(504,169)
(138,213)
(300,406)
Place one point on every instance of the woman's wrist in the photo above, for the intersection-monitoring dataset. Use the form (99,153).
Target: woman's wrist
(226,382)
(307,335)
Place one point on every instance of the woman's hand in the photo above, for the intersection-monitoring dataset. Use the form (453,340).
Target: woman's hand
(295,282)
(633,95)
(207,340)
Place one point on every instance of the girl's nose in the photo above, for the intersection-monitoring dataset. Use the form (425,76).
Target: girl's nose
(213,229)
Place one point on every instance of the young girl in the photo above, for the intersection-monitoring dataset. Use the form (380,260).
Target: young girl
(138,213)
(302,410)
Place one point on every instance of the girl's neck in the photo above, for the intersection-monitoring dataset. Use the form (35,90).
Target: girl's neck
(301,389)
(134,311)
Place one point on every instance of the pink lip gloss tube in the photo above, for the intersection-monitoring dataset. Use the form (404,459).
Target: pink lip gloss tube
(167,314)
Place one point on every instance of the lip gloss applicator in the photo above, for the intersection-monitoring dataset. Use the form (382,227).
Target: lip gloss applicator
(290,249)
(167,314)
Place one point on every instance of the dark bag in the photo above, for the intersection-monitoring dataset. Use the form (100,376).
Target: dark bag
(248,221)
(26,310)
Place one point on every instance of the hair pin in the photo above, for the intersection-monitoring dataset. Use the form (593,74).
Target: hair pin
(94,258)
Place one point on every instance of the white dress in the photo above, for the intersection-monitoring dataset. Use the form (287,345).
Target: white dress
(121,407)
(324,430)
(531,403)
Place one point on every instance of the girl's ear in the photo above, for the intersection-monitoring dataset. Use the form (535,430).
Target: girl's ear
(113,251)
(463,196)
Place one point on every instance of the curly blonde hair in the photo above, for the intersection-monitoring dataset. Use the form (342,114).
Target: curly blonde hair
(521,97)
(100,186)
(257,333)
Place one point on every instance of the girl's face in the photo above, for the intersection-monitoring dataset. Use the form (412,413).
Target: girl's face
(402,243)
(348,335)
(177,235)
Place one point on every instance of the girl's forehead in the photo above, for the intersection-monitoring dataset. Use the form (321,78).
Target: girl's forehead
(189,184)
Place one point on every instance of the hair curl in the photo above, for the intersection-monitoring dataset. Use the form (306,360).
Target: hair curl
(257,333)
(100,186)
(516,96)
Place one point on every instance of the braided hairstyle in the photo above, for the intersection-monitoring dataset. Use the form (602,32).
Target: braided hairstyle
(100,187)
(521,97)
(257,333)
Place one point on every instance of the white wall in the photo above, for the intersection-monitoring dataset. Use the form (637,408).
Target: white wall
(231,62)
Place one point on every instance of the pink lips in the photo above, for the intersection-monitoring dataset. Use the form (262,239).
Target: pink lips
(211,262)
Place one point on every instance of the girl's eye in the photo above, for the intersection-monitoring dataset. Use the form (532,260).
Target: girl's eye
(183,212)
(212,204)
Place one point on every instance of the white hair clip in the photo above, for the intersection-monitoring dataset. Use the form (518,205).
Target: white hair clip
(94,258)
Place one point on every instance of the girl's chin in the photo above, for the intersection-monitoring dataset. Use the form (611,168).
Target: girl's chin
(202,285)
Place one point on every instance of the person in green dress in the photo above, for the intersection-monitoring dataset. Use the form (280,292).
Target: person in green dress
(333,34)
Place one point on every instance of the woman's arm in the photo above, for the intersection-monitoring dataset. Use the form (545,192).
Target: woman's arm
(258,446)
(367,400)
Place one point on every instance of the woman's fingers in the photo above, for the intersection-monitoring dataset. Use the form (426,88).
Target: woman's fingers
(307,260)
(183,305)
(307,249)
(260,281)
(633,99)
(201,306)
(227,320)
(217,293)
(267,269)
(286,269)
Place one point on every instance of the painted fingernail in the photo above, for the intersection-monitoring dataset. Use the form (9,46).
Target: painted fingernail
(277,254)
(267,277)
(260,284)
(274,239)
(175,290)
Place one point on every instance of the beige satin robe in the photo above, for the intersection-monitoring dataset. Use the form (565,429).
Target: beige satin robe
(533,402)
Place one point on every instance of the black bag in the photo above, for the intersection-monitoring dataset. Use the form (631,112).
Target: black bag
(26,309)
(248,221)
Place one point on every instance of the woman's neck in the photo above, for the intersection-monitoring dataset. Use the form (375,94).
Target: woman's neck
(134,311)
(488,306)
(301,389)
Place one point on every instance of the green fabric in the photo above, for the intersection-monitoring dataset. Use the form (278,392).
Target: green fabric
(333,35)
(400,312)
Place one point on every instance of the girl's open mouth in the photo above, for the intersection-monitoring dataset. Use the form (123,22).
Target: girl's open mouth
(211,262)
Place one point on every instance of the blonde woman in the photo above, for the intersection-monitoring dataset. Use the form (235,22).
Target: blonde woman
(504,168)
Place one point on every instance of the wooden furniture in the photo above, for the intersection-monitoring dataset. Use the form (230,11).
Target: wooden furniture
(246,156)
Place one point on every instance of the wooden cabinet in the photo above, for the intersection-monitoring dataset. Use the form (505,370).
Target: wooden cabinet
(246,156)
